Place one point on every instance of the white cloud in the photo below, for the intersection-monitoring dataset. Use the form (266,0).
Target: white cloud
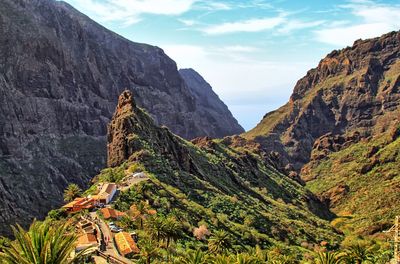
(298,24)
(376,19)
(214,6)
(130,11)
(251,25)
(241,83)
(188,22)
(239,48)
(345,36)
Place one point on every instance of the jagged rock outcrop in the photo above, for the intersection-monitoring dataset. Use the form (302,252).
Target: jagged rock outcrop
(354,89)
(131,130)
(331,143)
(60,77)
(215,115)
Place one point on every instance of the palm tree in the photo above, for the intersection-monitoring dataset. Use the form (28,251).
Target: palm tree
(357,254)
(328,258)
(258,253)
(156,227)
(219,242)
(144,188)
(194,257)
(172,229)
(382,256)
(139,211)
(222,259)
(244,258)
(127,223)
(148,250)
(71,192)
(44,243)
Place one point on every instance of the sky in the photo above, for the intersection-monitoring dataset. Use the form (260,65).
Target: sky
(251,52)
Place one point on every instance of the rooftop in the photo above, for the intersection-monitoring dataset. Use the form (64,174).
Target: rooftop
(111,213)
(87,239)
(125,243)
(81,202)
(108,188)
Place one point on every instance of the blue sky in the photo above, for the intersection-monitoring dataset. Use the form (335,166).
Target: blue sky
(252,52)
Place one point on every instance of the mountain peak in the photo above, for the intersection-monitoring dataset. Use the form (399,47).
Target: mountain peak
(127,121)
(126,102)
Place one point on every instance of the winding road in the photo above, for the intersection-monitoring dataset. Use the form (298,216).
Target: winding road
(106,234)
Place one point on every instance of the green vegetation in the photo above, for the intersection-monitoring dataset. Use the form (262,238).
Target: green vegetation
(117,174)
(219,242)
(112,174)
(269,122)
(328,258)
(221,201)
(44,243)
(57,214)
(370,171)
(281,116)
(71,192)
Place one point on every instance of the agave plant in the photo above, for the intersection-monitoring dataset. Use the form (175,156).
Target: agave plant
(44,243)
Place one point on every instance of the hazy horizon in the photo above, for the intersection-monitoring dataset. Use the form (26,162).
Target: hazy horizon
(251,52)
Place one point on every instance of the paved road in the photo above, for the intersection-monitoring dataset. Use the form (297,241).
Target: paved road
(99,260)
(111,250)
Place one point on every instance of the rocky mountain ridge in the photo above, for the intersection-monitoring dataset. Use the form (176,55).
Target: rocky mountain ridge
(340,134)
(60,77)
(350,90)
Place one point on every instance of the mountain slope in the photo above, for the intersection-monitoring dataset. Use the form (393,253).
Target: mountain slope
(213,110)
(228,183)
(60,77)
(360,181)
(347,92)
(339,132)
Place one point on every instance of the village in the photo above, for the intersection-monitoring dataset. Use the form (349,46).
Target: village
(95,225)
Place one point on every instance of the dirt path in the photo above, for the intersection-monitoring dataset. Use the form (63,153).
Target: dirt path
(129,181)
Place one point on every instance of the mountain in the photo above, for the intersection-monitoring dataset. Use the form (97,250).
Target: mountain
(214,113)
(340,133)
(61,75)
(358,180)
(350,90)
(228,183)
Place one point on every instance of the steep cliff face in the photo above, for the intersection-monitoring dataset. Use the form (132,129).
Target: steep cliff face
(349,91)
(215,115)
(204,177)
(60,77)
